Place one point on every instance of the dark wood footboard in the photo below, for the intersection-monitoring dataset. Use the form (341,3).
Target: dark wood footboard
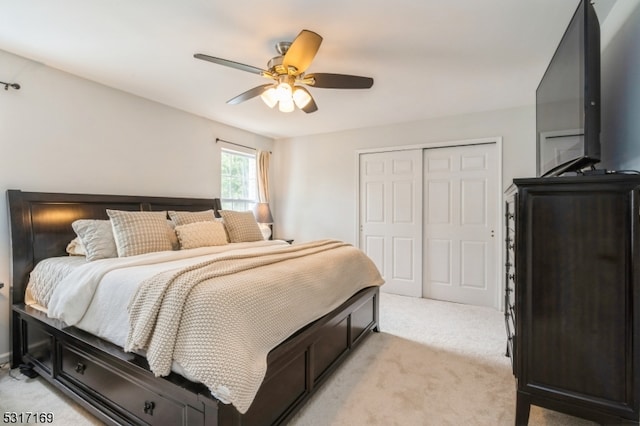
(118,387)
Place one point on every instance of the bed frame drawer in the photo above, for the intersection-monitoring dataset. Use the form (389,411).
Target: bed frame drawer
(362,319)
(332,344)
(116,390)
(38,345)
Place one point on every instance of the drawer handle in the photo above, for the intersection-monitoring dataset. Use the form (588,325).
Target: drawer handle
(512,277)
(148,407)
(80,367)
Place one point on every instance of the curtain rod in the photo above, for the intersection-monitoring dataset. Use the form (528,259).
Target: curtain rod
(12,85)
(237,144)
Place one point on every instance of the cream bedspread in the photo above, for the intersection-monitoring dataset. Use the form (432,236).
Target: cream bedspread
(219,319)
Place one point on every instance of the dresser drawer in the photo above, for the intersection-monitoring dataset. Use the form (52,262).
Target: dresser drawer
(510,299)
(510,245)
(511,348)
(114,389)
(510,324)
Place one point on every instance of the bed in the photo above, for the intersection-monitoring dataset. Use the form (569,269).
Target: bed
(118,386)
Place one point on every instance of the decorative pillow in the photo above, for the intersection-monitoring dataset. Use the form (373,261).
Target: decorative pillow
(140,232)
(184,218)
(175,244)
(75,248)
(201,234)
(97,238)
(241,226)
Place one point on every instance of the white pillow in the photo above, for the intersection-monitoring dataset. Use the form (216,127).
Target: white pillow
(96,237)
(140,232)
(241,226)
(201,234)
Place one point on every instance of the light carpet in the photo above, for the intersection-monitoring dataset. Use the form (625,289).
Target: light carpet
(434,363)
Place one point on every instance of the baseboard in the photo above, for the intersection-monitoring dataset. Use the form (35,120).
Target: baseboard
(5,357)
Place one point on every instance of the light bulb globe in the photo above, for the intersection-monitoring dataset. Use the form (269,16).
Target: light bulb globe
(286,105)
(269,97)
(301,97)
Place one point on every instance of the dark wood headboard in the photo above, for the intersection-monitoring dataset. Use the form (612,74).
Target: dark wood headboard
(40,223)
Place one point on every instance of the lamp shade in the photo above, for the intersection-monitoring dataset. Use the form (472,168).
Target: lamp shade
(301,97)
(262,213)
(286,105)
(270,97)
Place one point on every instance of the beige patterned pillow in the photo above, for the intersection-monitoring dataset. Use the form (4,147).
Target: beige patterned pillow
(183,218)
(201,234)
(140,232)
(241,226)
(97,238)
(175,244)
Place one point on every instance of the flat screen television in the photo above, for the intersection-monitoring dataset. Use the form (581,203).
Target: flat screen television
(568,99)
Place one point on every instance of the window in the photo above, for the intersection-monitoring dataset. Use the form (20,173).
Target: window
(238,180)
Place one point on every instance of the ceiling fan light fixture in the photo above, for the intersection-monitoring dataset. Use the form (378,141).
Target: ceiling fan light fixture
(270,97)
(286,105)
(301,97)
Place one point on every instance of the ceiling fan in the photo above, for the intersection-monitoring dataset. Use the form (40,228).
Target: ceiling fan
(288,72)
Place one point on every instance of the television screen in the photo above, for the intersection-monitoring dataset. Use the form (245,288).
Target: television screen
(568,98)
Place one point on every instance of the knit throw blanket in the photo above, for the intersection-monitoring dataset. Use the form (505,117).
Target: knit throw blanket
(220,319)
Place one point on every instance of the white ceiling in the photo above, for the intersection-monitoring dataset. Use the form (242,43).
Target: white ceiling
(428,58)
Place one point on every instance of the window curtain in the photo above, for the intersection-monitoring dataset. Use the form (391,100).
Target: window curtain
(263,176)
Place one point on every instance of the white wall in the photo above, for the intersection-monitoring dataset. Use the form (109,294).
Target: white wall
(316,175)
(60,133)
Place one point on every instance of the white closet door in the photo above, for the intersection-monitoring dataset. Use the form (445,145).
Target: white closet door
(460,224)
(391,218)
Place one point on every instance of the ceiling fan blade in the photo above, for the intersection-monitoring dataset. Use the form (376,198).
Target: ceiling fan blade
(310,107)
(232,64)
(251,93)
(338,81)
(302,51)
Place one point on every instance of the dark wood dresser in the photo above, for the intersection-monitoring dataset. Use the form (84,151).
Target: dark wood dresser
(572,299)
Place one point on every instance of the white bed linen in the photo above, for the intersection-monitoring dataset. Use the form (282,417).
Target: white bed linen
(46,276)
(94,297)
